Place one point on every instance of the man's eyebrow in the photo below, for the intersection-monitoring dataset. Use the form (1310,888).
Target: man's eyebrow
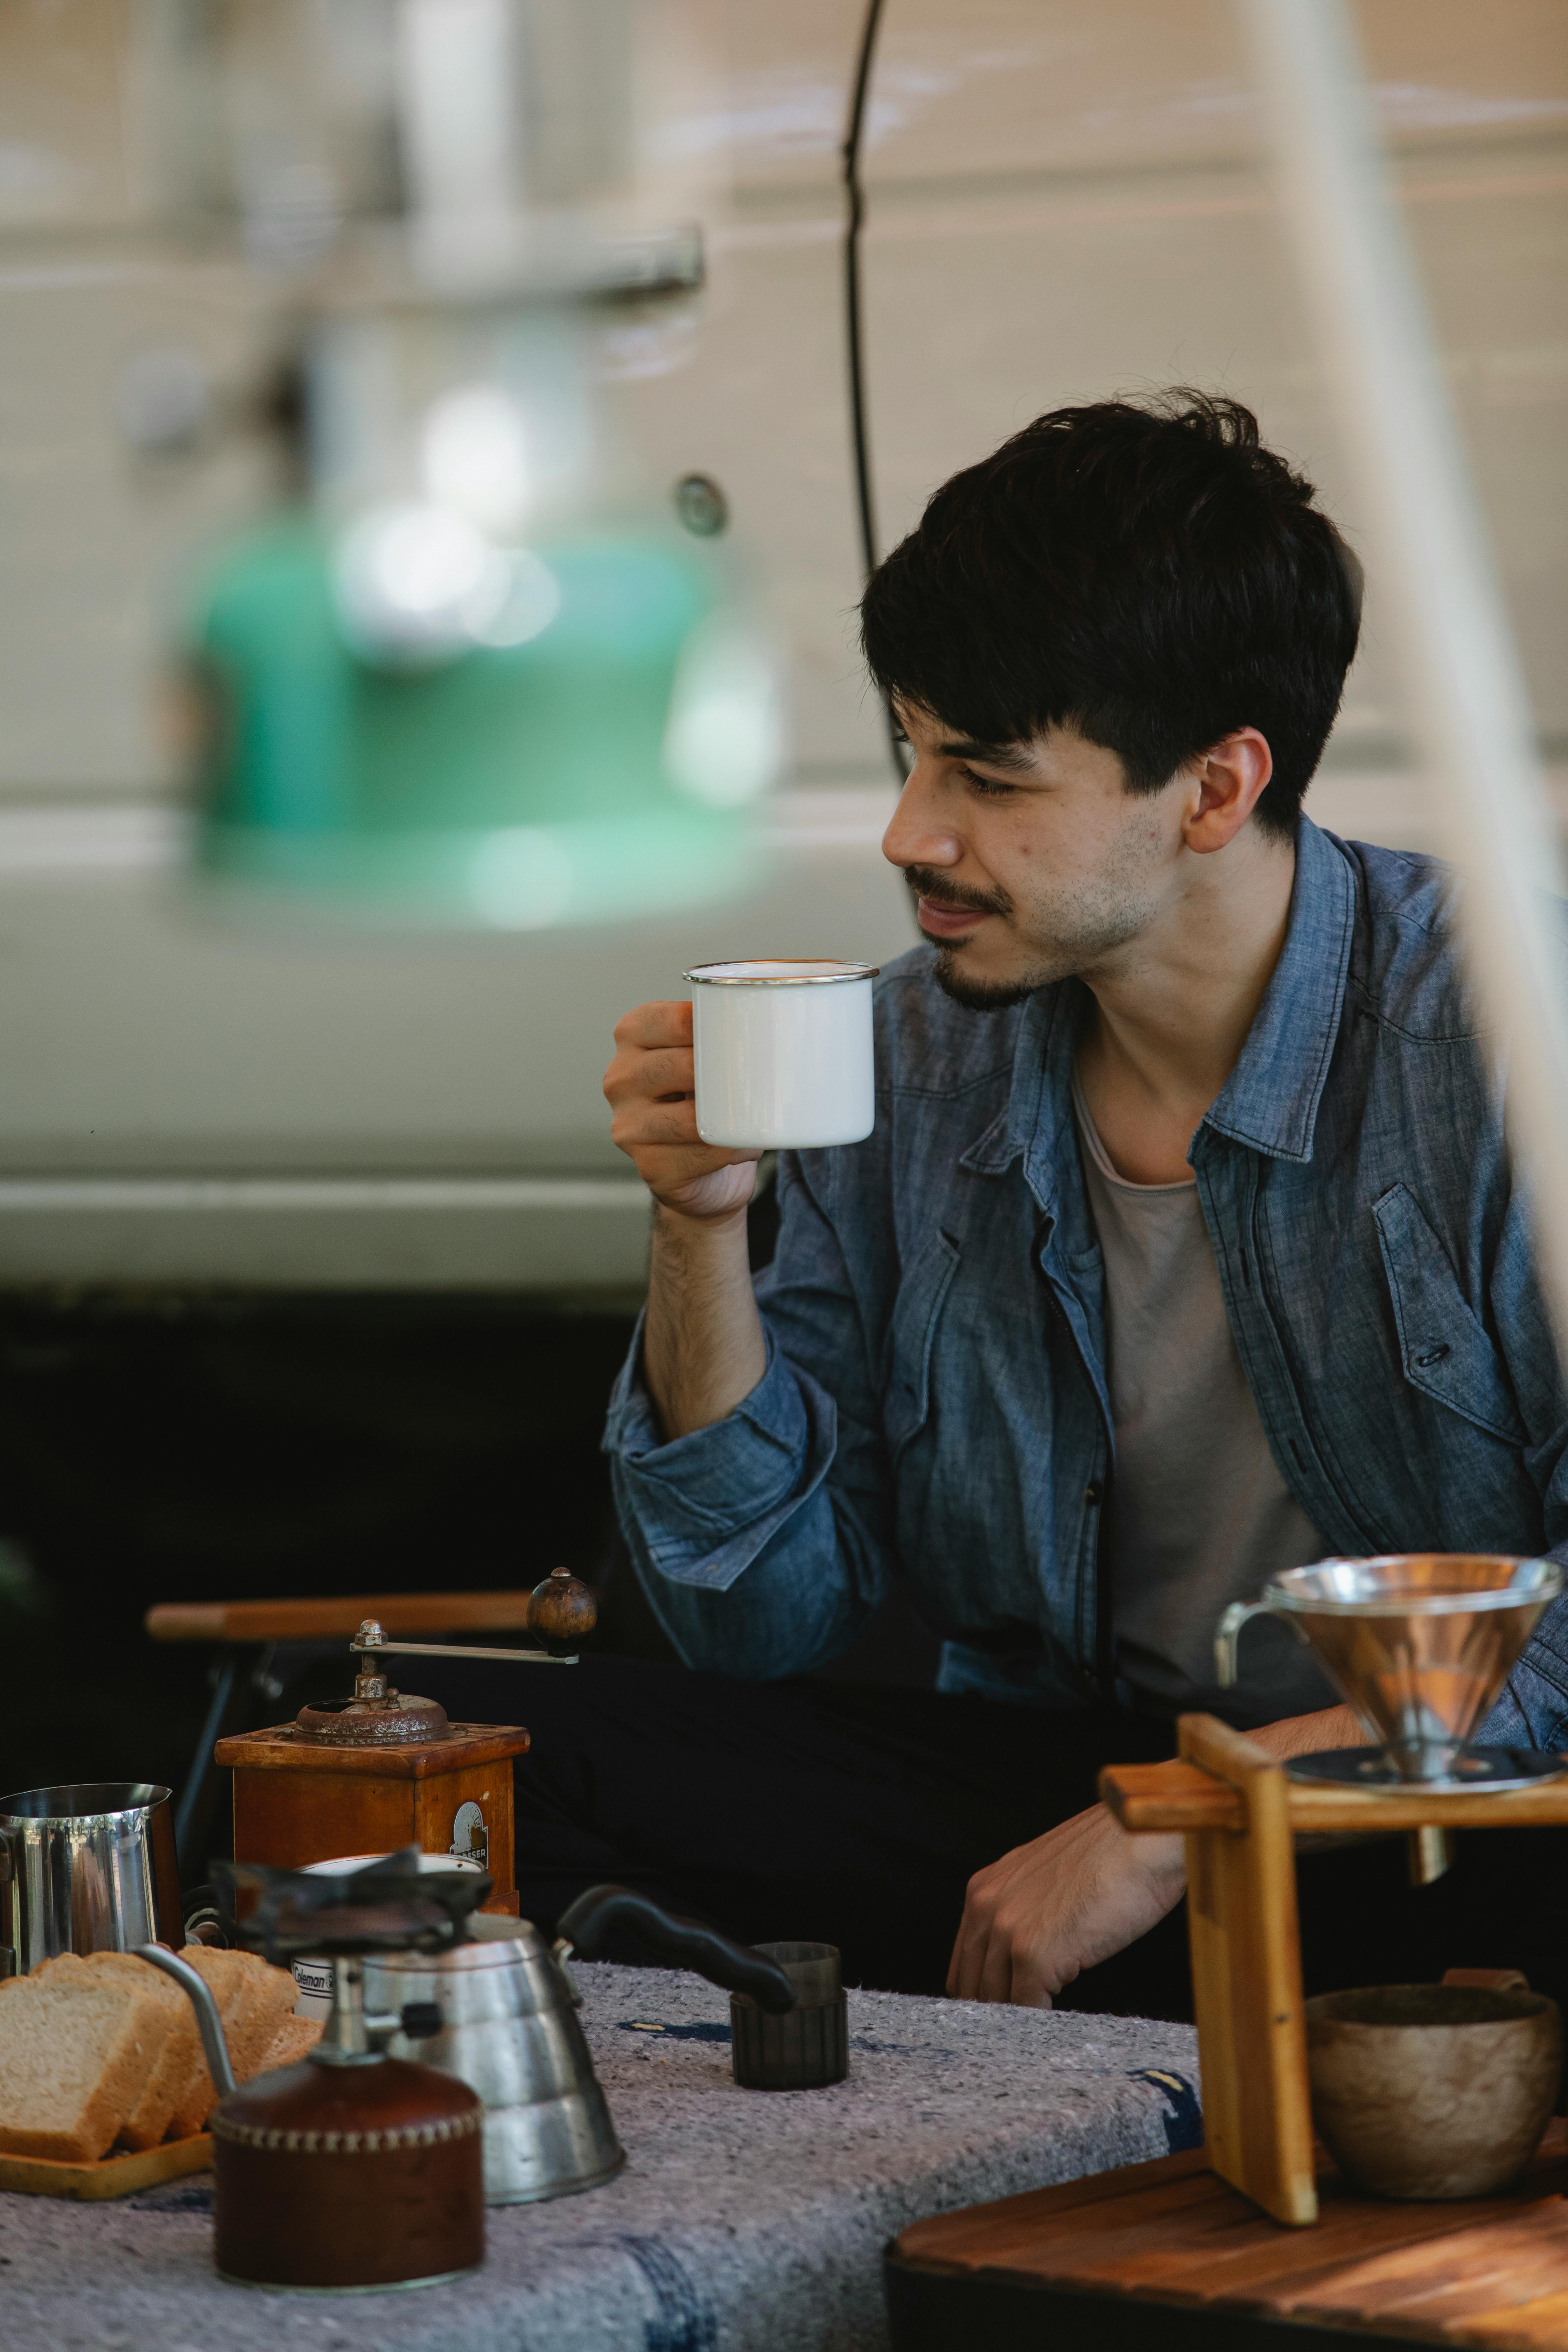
(1016,756)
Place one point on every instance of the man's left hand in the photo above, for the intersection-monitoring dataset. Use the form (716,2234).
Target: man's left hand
(1052,1907)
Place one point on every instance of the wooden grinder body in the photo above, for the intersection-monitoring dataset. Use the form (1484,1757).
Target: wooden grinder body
(297,1800)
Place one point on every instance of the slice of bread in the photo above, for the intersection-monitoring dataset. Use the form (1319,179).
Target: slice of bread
(294,2040)
(77,2048)
(148,2121)
(65,1963)
(273,1995)
(230,1989)
(253,1999)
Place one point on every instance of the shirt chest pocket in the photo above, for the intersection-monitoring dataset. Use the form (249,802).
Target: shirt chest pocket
(1444,1350)
(906,1385)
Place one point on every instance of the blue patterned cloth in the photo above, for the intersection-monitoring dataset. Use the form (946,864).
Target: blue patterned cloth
(935,1404)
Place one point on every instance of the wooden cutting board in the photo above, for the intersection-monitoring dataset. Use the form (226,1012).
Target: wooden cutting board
(1166,2254)
(111,2176)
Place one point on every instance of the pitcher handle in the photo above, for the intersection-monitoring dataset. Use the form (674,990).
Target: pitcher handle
(1227,1637)
(207,2019)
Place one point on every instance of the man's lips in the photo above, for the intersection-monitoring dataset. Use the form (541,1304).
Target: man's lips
(948,922)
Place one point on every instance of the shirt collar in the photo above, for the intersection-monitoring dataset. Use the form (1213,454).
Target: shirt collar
(1038,1112)
(1270,1102)
(1270,1099)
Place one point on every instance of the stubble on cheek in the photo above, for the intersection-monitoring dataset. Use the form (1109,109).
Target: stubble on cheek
(1060,929)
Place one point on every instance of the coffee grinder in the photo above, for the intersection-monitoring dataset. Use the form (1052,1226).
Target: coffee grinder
(385,1768)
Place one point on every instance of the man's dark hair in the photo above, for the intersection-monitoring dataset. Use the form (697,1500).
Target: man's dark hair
(1147,573)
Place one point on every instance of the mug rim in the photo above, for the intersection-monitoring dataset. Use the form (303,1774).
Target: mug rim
(728,974)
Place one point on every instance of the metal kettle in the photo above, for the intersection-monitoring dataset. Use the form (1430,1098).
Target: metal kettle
(510,2030)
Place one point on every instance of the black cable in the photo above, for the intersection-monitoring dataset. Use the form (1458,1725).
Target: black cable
(857,215)
(856,195)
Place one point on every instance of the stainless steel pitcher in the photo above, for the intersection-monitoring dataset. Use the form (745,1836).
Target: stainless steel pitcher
(86,1867)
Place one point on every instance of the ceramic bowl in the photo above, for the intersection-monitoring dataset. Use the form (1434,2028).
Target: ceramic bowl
(1432,2090)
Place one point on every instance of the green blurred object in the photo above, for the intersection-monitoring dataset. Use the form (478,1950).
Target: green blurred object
(585,751)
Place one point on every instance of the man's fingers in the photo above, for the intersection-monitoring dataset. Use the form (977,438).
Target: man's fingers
(635,1075)
(992,1960)
(1036,1918)
(968,1957)
(996,1974)
(654,1024)
(979,1958)
(1038,1973)
(671,1123)
(636,1124)
(650,1088)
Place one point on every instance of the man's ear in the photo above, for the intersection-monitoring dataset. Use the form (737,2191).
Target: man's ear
(1230,777)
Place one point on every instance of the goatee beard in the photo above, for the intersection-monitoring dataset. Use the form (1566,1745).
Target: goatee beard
(982,995)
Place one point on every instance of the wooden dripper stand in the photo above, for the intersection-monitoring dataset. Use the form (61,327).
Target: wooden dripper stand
(1419,1644)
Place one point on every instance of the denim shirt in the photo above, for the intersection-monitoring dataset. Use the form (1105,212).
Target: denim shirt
(935,1406)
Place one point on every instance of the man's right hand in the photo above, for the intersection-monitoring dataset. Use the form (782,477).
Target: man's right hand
(650,1089)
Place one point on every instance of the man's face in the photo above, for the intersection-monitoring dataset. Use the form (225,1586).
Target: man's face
(1028,862)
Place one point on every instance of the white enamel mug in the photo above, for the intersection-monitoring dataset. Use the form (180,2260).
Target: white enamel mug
(783,1053)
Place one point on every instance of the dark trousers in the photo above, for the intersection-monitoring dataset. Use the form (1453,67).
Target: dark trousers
(856,1815)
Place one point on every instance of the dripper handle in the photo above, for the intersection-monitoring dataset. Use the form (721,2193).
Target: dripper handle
(1228,1640)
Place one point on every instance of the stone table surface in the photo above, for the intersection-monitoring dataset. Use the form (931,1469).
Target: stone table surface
(744,2222)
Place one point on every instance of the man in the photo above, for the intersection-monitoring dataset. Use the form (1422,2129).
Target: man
(1186,1249)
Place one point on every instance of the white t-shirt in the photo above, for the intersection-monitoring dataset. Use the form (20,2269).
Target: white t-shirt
(1200,1515)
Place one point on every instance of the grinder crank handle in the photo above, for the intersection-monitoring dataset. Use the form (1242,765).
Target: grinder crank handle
(561,1611)
(584,1926)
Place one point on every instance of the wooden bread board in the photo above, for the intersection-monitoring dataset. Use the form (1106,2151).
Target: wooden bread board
(111,2176)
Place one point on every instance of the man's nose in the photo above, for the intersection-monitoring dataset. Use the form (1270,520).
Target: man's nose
(918,834)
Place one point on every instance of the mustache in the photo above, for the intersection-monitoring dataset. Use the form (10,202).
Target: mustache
(927,883)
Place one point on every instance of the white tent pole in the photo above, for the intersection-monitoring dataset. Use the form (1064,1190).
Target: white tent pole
(1434,574)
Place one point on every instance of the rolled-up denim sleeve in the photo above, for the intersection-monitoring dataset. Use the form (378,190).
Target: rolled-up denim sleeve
(762,1541)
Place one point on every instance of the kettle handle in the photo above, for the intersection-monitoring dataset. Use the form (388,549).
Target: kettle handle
(584,1926)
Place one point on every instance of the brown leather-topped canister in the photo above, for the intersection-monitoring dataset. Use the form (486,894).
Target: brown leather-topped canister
(336,2177)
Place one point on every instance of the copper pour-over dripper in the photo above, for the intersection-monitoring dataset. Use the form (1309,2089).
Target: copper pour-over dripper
(1419,1644)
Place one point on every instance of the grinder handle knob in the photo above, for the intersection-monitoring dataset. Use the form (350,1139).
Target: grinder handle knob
(562,1610)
